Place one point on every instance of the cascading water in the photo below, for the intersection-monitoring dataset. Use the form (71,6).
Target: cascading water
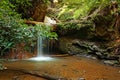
(40,46)
(40,43)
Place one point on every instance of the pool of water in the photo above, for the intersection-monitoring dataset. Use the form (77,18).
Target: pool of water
(71,68)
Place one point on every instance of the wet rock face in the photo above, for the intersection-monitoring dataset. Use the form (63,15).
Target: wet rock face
(80,47)
(20,53)
(75,46)
(111,62)
(103,27)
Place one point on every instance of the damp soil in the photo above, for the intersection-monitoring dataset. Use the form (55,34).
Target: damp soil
(59,68)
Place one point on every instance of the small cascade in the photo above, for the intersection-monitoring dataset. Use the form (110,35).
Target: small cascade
(43,46)
(40,46)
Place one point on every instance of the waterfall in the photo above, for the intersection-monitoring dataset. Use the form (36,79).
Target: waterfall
(41,42)
(43,47)
(40,46)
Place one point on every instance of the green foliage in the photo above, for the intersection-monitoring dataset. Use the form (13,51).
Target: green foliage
(22,3)
(45,31)
(83,30)
(1,67)
(21,6)
(26,7)
(8,26)
(118,6)
(13,31)
(75,9)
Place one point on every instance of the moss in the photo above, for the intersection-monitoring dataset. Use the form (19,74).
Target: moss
(82,30)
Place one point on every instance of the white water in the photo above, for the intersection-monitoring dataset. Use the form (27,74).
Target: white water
(40,55)
(40,46)
(41,58)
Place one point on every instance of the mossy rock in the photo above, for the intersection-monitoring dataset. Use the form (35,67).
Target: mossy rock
(82,30)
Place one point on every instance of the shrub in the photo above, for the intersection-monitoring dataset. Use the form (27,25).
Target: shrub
(13,31)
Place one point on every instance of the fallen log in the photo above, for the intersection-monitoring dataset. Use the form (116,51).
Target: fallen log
(54,26)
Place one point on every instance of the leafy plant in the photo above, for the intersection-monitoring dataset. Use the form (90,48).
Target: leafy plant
(26,7)
(13,31)
(45,31)
(21,6)
(75,9)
